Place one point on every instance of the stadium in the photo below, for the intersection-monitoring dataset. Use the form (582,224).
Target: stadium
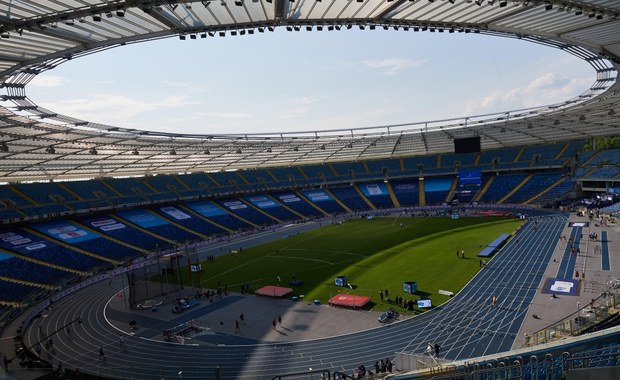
(125,253)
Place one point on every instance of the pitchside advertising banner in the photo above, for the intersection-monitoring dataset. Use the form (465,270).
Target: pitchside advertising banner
(22,242)
(288,198)
(206,209)
(65,231)
(317,196)
(143,218)
(374,189)
(262,202)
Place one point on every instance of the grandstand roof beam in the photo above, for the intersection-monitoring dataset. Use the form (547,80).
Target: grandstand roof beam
(389,9)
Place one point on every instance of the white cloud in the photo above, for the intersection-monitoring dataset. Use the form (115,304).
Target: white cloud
(228,115)
(546,89)
(114,109)
(293,112)
(306,99)
(392,66)
(47,81)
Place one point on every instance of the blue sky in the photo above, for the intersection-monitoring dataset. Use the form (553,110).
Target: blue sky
(304,81)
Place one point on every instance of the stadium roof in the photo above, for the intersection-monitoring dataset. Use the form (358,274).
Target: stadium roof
(35,36)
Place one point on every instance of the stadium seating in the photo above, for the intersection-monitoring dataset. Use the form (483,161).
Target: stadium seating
(556,192)
(219,216)
(189,220)
(297,204)
(20,269)
(504,155)
(542,152)
(607,157)
(412,164)
(43,193)
(537,183)
(604,173)
(6,194)
(129,186)
(406,191)
(501,186)
(93,189)
(345,169)
(20,293)
(328,205)
(287,174)
(318,173)
(257,176)
(245,211)
(118,229)
(164,183)
(390,166)
(350,197)
(436,189)
(197,181)
(50,252)
(6,214)
(272,207)
(449,160)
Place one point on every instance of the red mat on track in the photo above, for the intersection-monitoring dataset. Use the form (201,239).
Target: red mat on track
(349,300)
(273,291)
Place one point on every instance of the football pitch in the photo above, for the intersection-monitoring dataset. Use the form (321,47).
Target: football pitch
(376,254)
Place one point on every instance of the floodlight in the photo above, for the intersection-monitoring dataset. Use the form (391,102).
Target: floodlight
(182,37)
(239,3)
(222,33)
(203,35)
(120,13)
(503,3)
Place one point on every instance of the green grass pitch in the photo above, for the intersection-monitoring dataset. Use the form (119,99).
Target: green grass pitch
(374,254)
